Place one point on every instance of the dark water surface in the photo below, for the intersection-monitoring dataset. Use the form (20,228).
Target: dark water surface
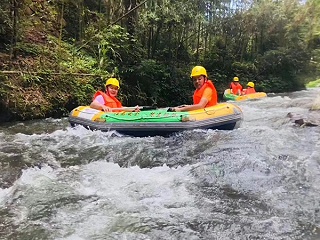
(261,181)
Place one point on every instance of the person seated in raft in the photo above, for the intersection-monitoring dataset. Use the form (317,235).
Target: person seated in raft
(236,87)
(249,89)
(107,101)
(205,94)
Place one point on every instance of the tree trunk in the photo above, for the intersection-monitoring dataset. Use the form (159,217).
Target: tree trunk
(81,25)
(150,41)
(131,17)
(198,42)
(15,15)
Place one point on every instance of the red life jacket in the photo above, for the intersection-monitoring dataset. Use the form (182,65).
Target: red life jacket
(199,92)
(249,90)
(235,88)
(109,101)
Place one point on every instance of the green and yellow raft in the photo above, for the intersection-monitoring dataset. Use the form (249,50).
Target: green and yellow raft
(227,95)
(224,116)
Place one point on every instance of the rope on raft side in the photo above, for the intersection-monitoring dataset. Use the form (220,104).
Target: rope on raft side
(143,117)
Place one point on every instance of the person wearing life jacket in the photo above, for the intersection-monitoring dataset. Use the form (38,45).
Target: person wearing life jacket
(205,94)
(235,87)
(107,101)
(250,88)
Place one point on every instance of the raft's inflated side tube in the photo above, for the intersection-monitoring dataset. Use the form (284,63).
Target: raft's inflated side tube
(229,96)
(223,116)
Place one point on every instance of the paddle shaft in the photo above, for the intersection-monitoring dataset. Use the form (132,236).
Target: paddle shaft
(142,108)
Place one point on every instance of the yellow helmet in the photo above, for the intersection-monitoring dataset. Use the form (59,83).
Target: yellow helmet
(250,84)
(236,79)
(198,71)
(113,81)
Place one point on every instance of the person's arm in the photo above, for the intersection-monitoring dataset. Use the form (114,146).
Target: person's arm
(98,103)
(213,96)
(244,91)
(240,90)
(203,102)
(206,97)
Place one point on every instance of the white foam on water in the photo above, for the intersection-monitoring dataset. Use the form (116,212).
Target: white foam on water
(4,195)
(36,176)
(267,161)
(127,196)
(106,198)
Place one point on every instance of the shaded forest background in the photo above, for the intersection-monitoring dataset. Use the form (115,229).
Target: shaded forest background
(55,54)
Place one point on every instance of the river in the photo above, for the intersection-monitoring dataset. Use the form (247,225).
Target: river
(261,181)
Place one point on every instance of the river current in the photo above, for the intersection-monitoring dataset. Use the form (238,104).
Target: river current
(261,181)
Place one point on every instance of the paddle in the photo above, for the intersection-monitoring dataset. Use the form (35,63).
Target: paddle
(141,108)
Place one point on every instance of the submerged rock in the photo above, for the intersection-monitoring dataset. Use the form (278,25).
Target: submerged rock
(311,120)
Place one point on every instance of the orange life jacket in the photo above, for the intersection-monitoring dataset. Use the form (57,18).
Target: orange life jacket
(109,101)
(235,88)
(249,90)
(199,92)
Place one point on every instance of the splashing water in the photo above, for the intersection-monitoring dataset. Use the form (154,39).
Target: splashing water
(256,182)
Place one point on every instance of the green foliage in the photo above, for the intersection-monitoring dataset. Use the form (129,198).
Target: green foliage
(80,63)
(272,84)
(31,80)
(69,92)
(313,84)
(148,75)
(113,47)
(283,65)
(221,82)
(5,23)
(245,70)
(152,50)
(27,49)
(155,83)
(70,58)
(83,93)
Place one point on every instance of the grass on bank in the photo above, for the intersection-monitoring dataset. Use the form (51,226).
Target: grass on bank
(313,84)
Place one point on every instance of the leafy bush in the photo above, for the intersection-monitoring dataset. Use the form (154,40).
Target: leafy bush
(153,82)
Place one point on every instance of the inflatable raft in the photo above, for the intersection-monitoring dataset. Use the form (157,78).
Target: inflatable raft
(224,116)
(229,96)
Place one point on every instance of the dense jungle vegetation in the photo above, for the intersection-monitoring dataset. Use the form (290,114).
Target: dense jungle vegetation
(54,54)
